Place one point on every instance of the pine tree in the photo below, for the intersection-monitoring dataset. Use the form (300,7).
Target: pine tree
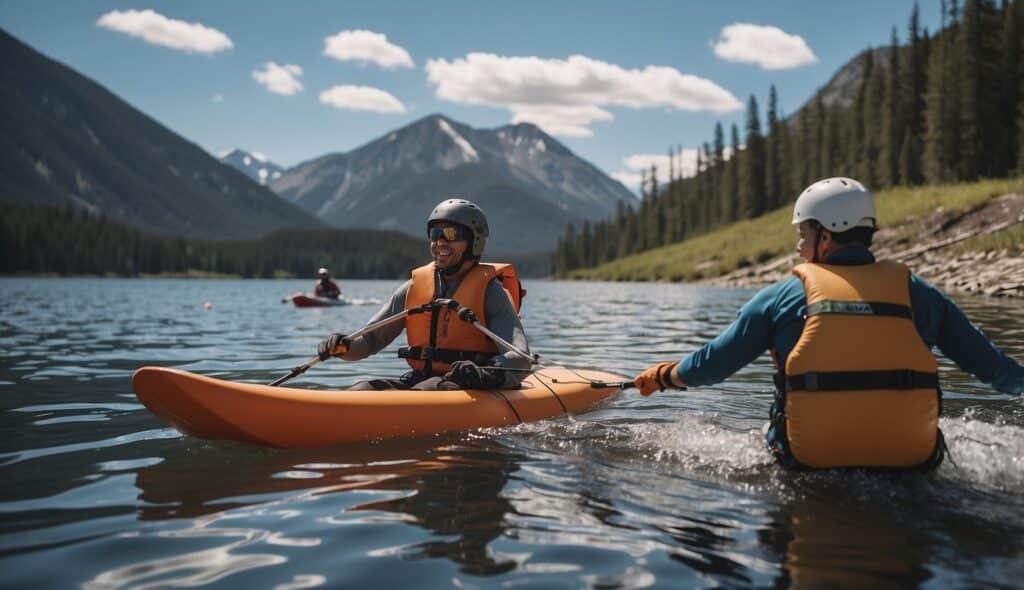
(671,165)
(830,148)
(907,155)
(569,254)
(858,119)
(936,135)
(714,199)
(786,161)
(805,149)
(752,181)
(729,198)
(1006,150)
(816,148)
(969,52)
(772,173)
(892,124)
(868,170)
(914,105)
(708,216)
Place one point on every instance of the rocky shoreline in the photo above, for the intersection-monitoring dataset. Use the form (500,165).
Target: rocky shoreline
(929,247)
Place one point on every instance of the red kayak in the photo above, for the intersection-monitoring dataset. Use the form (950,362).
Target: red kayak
(307,300)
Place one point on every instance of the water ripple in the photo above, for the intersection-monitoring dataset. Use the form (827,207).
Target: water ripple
(675,489)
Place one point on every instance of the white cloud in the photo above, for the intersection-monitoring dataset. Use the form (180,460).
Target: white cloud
(632,180)
(279,79)
(157,29)
(361,98)
(366,47)
(218,97)
(638,164)
(564,120)
(769,47)
(564,96)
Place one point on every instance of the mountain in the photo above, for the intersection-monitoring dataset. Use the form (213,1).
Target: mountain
(841,90)
(66,139)
(528,183)
(254,165)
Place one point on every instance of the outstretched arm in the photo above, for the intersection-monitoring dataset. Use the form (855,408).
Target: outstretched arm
(941,323)
(749,335)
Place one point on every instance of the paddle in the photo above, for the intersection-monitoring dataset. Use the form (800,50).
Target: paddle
(370,328)
(366,330)
(467,315)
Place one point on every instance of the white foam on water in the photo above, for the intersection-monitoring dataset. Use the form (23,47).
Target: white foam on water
(697,442)
(694,441)
(986,457)
(984,453)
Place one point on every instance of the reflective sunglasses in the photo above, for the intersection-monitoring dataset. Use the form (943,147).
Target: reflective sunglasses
(450,233)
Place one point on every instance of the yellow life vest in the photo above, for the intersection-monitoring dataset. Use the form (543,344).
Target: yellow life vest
(439,338)
(861,384)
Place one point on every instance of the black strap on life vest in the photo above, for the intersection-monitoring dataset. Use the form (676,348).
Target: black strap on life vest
(859,308)
(444,355)
(860,380)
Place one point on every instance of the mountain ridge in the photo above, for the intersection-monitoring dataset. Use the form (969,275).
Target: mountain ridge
(64,138)
(392,181)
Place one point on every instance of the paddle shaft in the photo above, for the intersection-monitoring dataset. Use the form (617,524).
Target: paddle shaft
(467,315)
(365,330)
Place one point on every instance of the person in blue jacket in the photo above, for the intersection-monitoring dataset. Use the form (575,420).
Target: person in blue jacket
(836,219)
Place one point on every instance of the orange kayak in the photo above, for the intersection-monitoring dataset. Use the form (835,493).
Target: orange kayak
(288,417)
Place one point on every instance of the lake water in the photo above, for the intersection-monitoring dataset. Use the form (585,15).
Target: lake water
(675,490)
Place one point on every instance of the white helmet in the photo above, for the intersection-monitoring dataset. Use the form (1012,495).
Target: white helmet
(838,204)
(322,271)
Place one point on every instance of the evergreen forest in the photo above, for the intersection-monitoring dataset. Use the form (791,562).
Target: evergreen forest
(930,108)
(65,240)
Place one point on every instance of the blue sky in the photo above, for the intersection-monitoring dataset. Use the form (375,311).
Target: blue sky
(617,82)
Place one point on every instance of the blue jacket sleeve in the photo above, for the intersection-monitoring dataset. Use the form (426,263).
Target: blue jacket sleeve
(942,324)
(749,335)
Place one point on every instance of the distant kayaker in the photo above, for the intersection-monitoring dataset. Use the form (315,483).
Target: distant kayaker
(857,384)
(444,351)
(325,287)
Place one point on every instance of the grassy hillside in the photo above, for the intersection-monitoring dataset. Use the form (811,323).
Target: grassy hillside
(756,240)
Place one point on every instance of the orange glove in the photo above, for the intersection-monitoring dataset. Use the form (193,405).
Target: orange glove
(657,378)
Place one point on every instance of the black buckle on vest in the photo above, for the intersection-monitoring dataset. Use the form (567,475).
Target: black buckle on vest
(425,353)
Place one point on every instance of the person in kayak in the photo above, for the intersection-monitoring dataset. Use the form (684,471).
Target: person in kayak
(445,352)
(325,287)
(851,338)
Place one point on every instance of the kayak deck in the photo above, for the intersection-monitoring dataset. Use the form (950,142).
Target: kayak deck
(289,417)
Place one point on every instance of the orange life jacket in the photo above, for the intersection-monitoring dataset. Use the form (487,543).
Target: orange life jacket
(439,338)
(861,385)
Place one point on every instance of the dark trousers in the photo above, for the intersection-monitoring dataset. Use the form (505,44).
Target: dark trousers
(411,380)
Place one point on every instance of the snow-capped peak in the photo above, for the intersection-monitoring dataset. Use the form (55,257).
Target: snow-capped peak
(468,152)
(255,165)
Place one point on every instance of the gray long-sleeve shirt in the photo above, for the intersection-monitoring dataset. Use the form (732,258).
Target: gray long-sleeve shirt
(500,318)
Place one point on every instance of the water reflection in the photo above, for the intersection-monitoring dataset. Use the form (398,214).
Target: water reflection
(856,548)
(449,486)
(461,501)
